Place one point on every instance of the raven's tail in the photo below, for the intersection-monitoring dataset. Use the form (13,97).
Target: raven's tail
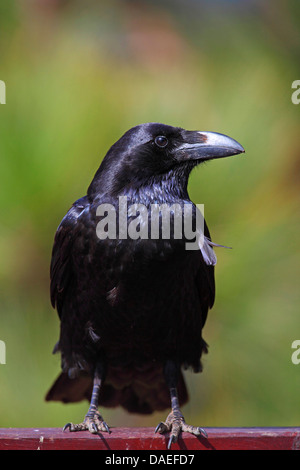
(140,396)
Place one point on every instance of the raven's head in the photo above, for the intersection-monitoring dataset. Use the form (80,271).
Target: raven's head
(152,153)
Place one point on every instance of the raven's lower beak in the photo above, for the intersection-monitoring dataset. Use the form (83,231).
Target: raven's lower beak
(206,146)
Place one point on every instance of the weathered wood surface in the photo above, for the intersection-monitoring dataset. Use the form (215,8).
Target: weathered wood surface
(145,439)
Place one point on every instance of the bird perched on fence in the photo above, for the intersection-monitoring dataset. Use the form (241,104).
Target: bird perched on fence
(132,297)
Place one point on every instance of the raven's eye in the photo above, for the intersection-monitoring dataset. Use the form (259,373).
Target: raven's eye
(161,141)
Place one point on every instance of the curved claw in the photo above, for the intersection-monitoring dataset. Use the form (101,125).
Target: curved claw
(106,427)
(203,432)
(171,440)
(67,426)
(162,428)
(95,428)
(158,426)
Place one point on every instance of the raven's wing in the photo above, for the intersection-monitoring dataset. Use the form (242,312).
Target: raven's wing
(61,269)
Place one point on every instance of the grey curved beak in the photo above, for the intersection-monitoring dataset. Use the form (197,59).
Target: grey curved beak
(207,146)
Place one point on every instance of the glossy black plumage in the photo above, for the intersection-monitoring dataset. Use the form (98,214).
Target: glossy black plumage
(132,306)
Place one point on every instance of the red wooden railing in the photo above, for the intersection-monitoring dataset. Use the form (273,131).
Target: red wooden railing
(144,439)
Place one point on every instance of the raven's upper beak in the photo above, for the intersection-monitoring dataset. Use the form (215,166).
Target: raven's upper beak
(206,146)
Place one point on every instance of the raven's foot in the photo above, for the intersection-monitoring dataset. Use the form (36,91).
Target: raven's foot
(175,424)
(92,422)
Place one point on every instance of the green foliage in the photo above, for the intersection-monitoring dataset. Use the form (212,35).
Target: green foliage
(76,80)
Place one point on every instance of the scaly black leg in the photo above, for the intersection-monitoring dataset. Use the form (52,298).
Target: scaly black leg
(175,421)
(93,421)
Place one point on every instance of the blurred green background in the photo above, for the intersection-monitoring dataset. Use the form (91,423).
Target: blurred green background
(78,74)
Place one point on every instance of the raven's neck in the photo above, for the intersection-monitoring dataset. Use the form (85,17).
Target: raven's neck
(159,190)
(170,186)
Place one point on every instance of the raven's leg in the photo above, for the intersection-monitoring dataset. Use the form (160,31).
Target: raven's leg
(175,421)
(93,421)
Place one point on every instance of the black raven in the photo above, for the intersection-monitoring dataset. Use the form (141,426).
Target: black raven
(132,300)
